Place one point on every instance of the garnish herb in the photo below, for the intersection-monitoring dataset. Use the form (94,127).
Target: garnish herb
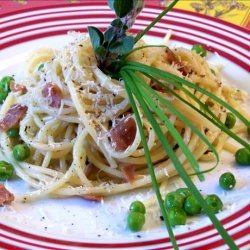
(114,42)
(111,49)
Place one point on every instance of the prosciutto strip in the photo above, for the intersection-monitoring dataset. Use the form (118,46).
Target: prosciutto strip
(53,94)
(92,197)
(13,116)
(157,87)
(123,134)
(6,197)
(172,58)
(14,87)
(129,173)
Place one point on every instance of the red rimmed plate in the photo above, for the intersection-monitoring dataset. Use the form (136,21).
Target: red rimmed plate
(76,224)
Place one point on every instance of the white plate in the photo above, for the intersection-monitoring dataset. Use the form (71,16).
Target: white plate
(74,223)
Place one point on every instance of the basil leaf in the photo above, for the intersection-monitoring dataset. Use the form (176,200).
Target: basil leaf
(124,27)
(123,46)
(115,47)
(96,37)
(114,65)
(122,7)
(109,34)
(128,44)
(117,23)
(131,17)
(105,44)
(100,52)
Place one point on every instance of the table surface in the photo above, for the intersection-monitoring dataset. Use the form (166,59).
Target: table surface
(234,11)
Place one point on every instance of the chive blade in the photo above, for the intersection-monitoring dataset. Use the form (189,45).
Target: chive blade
(142,47)
(160,73)
(177,81)
(148,158)
(215,120)
(169,125)
(178,114)
(162,14)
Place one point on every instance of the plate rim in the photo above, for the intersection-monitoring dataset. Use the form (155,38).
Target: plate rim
(147,4)
(248,206)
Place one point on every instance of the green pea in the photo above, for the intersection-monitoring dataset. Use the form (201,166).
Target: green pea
(21,152)
(5,87)
(5,82)
(214,203)
(174,199)
(135,221)
(137,206)
(242,157)
(176,216)
(13,132)
(227,181)
(40,66)
(230,120)
(6,171)
(199,49)
(184,192)
(3,95)
(192,206)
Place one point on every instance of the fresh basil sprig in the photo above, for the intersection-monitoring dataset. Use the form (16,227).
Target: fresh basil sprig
(115,42)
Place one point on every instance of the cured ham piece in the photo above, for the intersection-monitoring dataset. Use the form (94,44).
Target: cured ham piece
(53,94)
(14,87)
(123,134)
(6,197)
(129,173)
(92,197)
(172,58)
(13,116)
(157,87)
